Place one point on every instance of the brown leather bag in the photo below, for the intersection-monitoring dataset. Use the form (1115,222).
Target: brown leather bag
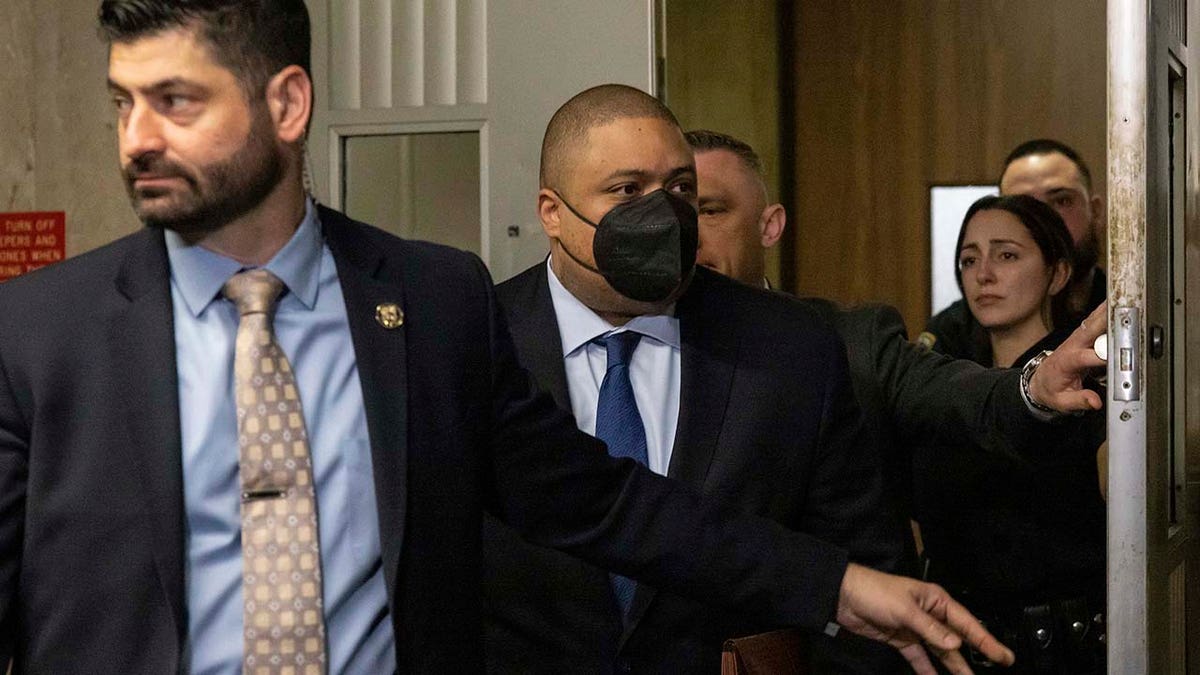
(781,652)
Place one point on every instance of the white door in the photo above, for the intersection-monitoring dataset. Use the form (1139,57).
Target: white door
(429,113)
(1154,374)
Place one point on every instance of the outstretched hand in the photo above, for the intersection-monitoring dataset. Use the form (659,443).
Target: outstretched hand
(905,613)
(1058,381)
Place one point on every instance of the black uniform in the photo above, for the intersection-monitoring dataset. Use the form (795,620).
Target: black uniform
(1020,540)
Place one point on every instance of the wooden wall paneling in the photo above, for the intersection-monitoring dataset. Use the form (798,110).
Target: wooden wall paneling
(722,73)
(892,98)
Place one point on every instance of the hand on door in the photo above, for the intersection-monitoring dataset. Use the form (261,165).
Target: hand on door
(1058,381)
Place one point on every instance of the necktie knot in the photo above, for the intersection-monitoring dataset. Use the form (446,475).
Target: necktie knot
(253,291)
(619,348)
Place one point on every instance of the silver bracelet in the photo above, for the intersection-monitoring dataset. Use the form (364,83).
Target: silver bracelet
(1027,375)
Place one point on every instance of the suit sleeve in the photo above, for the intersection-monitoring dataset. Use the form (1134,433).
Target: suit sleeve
(559,488)
(953,401)
(845,493)
(13,469)
(847,505)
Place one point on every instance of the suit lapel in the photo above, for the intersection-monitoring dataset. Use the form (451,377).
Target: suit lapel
(709,352)
(529,310)
(368,283)
(530,313)
(708,358)
(141,337)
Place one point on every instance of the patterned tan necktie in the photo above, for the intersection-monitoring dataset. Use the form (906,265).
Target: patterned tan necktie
(284,630)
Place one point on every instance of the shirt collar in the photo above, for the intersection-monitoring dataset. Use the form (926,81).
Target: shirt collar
(578,324)
(200,273)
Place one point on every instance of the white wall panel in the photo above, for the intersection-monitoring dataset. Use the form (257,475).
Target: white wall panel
(472,51)
(375,31)
(345,55)
(408,52)
(498,67)
(441,59)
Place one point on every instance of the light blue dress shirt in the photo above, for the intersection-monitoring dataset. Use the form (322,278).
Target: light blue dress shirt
(311,326)
(654,370)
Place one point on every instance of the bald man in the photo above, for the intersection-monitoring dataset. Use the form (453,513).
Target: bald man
(766,425)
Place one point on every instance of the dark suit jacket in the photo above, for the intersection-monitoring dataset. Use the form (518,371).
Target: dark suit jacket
(91,506)
(767,424)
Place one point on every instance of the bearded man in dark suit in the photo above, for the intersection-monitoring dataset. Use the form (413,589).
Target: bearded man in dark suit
(257,436)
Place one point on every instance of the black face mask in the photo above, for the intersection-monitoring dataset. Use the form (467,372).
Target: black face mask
(644,248)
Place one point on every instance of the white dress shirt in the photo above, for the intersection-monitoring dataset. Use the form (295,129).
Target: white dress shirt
(653,371)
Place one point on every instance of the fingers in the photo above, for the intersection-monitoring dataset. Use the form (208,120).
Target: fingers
(926,626)
(1095,325)
(918,659)
(1081,358)
(1091,399)
(1076,354)
(1082,400)
(1057,381)
(954,662)
(975,634)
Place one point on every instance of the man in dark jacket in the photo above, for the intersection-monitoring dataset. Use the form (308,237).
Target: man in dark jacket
(907,393)
(142,528)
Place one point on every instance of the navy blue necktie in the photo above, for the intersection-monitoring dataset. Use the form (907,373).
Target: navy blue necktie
(619,425)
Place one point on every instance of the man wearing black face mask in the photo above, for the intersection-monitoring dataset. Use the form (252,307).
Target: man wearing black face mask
(684,370)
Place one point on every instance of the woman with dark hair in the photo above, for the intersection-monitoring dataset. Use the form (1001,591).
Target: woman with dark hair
(1020,540)
(1014,260)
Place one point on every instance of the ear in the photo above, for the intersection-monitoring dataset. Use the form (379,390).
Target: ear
(549,212)
(774,219)
(1062,274)
(289,100)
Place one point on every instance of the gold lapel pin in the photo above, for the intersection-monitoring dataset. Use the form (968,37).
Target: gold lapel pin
(389,315)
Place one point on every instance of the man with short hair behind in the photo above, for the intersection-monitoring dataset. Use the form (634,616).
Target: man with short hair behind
(738,221)
(908,394)
(1054,173)
(257,436)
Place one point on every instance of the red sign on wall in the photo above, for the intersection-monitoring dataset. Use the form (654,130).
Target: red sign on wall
(31,240)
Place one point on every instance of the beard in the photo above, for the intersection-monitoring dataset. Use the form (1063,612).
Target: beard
(213,194)
(1087,253)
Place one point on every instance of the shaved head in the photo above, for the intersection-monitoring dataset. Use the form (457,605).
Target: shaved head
(568,128)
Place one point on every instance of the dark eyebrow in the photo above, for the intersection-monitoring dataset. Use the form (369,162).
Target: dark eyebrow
(1062,190)
(975,246)
(681,170)
(157,87)
(639,173)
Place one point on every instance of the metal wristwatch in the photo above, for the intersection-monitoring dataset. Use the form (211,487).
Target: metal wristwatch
(1027,375)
